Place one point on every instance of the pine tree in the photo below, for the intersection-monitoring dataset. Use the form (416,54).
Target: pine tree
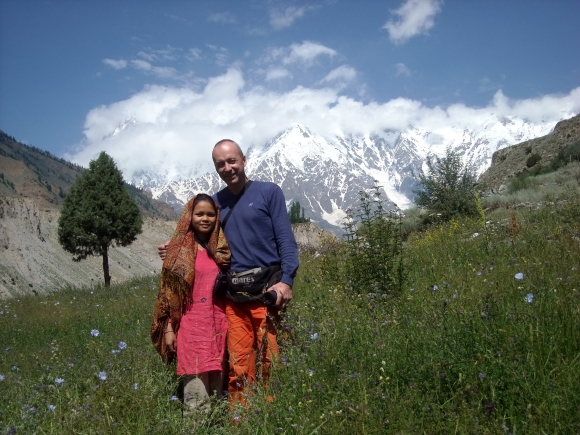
(296,214)
(98,213)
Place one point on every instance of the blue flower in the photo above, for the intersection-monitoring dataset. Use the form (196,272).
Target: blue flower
(435,287)
(174,398)
(530,298)
(122,345)
(115,351)
(51,407)
(103,376)
(481,375)
(314,336)
(519,275)
(59,380)
(95,332)
(135,386)
(1,377)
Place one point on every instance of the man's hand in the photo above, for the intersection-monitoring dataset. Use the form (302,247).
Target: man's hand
(284,294)
(162,250)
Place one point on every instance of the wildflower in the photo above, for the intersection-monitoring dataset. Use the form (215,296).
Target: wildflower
(95,332)
(1,377)
(481,375)
(103,376)
(174,398)
(52,407)
(530,298)
(56,304)
(314,336)
(115,351)
(59,380)
(310,372)
(435,287)
(290,409)
(122,345)
(14,368)
(519,275)
(135,386)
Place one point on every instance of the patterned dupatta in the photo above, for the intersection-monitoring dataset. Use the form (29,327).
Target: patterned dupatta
(178,275)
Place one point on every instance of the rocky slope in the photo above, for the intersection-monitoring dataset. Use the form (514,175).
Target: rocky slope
(509,162)
(32,261)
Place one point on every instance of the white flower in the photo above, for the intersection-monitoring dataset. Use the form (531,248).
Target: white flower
(51,407)
(135,386)
(1,377)
(59,380)
(103,376)
(95,332)
(122,345)
(519,275)
(314,336)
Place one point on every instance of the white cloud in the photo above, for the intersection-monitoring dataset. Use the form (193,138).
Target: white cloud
(194,54)
(414,17)
(176,127)
(343,72)
(305,53)
(402,70)
(116,64)
(277,74)
(222,17)
(281,18)
(159,71)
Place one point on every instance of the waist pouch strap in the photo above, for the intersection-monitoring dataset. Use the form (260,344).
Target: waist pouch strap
(250,285)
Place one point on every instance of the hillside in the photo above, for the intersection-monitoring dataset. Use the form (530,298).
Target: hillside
(30,172)
(32,260)
(512,161)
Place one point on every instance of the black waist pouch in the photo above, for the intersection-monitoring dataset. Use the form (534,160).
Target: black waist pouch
(250,285)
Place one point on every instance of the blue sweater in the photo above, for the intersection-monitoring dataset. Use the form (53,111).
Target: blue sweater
(259,231)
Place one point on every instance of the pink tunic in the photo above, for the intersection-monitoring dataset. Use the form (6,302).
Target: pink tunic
(201,339)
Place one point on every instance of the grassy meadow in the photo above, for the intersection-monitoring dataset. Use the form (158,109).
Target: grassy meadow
(483,337)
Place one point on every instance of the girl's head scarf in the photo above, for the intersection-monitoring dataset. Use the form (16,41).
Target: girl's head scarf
(178,275)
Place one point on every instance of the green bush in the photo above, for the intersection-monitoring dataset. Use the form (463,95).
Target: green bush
(533,159)
(374,253)
(447,190)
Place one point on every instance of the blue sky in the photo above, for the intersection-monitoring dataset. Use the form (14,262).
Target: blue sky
(177,71)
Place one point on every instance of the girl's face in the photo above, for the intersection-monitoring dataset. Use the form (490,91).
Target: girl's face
(203,219)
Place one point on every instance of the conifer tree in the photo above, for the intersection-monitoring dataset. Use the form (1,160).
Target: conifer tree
(98,213)
(296,214)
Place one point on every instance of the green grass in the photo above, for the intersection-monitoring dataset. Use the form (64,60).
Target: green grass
(459,350)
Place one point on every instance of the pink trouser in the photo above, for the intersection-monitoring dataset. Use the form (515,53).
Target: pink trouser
(251,332)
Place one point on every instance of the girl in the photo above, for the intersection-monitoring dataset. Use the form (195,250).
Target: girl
(189,320)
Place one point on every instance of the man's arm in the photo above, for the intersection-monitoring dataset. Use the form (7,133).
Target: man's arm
(162,250)
(287,247)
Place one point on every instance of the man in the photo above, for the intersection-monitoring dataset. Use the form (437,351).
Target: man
(260,235)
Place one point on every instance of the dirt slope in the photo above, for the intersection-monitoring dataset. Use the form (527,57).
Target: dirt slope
(31,259)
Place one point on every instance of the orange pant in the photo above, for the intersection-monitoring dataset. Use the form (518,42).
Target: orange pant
(251,332)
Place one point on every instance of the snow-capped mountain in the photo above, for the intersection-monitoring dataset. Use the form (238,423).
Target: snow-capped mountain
(325,174)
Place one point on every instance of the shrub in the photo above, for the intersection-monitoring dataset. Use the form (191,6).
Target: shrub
(374,246)
(533,159)
(447,190)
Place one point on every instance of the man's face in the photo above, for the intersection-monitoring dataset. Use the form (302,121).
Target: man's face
(230,163)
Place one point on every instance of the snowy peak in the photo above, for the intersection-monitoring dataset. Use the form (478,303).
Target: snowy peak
(326,174)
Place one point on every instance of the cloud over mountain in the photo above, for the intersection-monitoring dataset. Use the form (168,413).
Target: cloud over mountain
(173,128)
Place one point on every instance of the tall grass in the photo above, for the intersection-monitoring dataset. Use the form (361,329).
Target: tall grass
(482,338)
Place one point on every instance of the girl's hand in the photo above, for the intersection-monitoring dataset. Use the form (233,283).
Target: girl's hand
(171,341)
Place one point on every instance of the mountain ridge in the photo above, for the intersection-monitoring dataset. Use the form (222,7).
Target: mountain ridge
(326,174)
